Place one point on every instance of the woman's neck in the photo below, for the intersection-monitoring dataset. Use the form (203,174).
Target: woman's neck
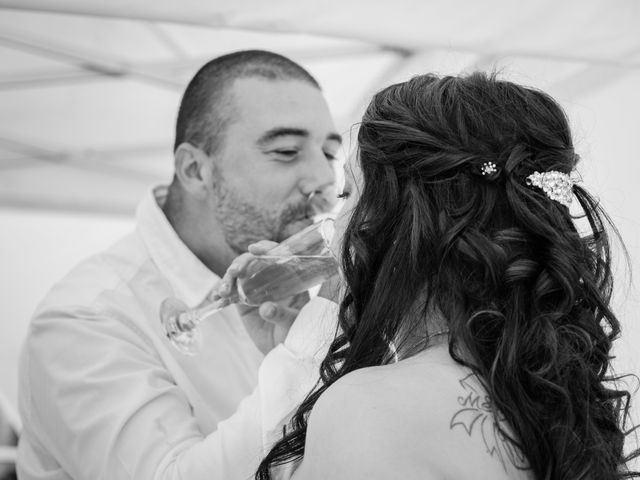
(423,329)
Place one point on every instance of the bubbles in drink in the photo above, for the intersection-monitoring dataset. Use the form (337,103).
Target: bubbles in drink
(277,278)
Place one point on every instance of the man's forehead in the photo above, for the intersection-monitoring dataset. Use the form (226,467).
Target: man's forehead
(278,99)
(257,91)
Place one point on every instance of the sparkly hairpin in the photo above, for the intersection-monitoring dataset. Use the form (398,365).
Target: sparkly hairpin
(488,168)
(557,186)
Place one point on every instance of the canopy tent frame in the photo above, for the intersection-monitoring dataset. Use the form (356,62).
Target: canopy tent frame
(67,64)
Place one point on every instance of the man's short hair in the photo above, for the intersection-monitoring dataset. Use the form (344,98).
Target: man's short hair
(205,108)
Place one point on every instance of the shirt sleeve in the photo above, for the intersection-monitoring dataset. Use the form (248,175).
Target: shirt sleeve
(291,369)
(105,407)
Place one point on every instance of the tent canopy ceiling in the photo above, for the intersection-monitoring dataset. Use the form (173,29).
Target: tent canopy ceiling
(90,89)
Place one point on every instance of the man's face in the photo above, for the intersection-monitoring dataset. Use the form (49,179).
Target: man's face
(278,148)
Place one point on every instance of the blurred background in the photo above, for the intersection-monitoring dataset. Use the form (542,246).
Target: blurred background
(89,92)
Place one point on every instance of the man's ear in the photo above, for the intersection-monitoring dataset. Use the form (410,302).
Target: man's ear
(191,164)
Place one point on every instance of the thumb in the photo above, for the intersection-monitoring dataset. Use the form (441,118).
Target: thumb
(278,314)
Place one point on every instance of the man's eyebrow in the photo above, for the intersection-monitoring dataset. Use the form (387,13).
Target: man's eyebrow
(277,132)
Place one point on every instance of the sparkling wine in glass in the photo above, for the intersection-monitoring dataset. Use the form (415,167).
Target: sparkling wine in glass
(299,263)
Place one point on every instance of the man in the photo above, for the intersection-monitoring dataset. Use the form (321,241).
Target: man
(103,394)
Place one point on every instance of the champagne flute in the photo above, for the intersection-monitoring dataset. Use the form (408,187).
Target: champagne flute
(298,263)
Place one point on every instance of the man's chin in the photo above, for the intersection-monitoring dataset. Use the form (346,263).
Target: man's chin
(294,227)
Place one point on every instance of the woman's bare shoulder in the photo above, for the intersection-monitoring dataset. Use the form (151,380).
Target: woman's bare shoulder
(350,432)
(424,418)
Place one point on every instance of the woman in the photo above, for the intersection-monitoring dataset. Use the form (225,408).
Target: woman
(476,326)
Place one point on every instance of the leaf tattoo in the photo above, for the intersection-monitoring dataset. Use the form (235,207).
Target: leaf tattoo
(477,415)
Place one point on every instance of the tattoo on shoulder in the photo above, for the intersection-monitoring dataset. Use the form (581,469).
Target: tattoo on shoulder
(476,416)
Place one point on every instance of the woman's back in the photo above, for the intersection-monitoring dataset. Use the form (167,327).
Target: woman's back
(458,215)
(426,417)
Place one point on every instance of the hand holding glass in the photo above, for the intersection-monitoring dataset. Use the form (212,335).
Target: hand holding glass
(298,263)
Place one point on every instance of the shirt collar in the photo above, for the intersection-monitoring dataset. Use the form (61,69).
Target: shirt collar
(190,279)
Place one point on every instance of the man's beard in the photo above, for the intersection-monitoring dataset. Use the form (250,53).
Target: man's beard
(245,223)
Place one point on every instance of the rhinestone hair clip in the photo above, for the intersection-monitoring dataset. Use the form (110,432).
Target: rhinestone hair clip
(488,168)
(557,186)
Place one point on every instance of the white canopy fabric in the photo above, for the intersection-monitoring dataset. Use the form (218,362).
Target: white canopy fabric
(89,89)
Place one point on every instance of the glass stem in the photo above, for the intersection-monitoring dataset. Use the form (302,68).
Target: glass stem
(190,319)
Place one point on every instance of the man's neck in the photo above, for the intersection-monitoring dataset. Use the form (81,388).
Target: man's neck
(199,234)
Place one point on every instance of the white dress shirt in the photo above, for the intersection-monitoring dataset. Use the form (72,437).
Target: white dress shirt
(103,394)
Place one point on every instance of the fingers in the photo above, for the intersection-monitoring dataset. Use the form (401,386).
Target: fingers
(285,310)
(262,247)
(226,287)
(278,314)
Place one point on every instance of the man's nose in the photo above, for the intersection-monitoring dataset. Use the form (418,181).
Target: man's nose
(318,175)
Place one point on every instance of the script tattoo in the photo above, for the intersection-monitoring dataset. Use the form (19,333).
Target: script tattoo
(476,415)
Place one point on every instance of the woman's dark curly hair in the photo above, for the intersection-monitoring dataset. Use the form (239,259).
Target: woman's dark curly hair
(525,295)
